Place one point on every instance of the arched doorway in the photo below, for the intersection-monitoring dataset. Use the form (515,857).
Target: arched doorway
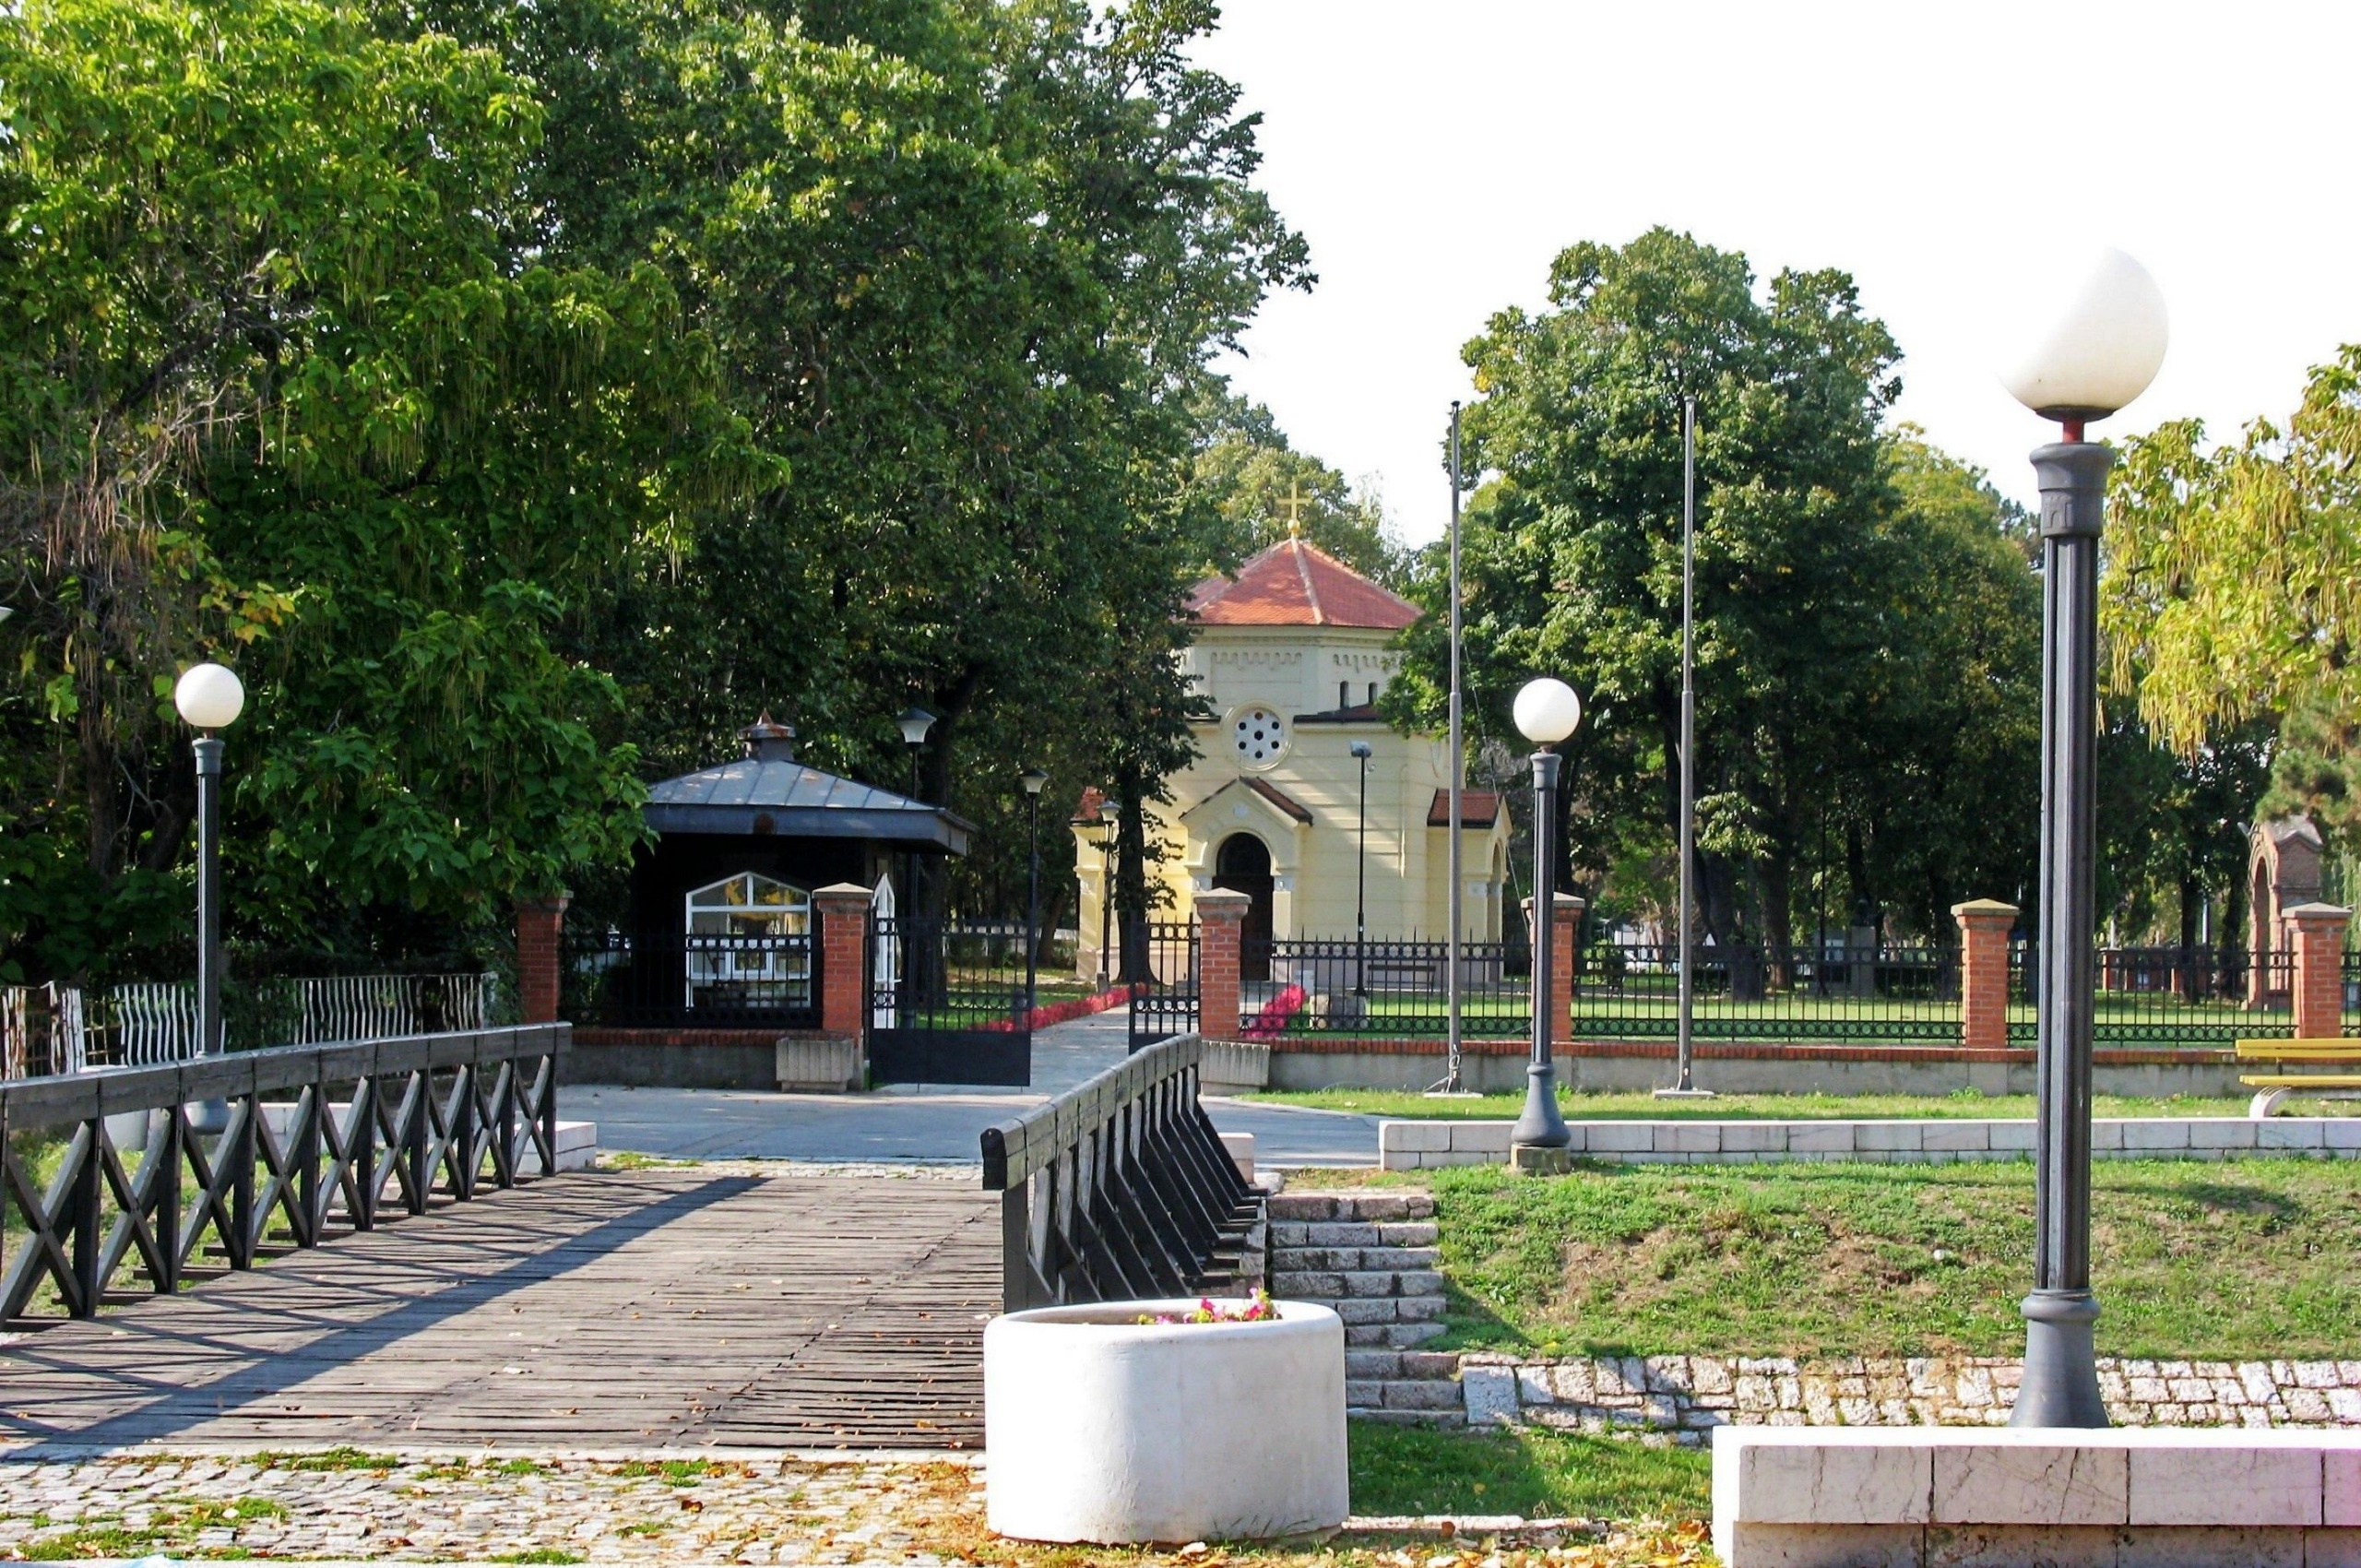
(1242,864)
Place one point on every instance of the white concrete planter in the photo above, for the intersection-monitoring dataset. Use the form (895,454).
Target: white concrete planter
(1097,1427)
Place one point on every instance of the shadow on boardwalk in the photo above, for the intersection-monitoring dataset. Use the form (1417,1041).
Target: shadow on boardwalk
(610,1310)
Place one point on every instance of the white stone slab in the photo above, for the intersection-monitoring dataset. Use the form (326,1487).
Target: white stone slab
(1685,1137)
(2226,1481)
(2154,1135)
(1955,1136)
(1823,1137)
(1618,1137)
(1987,1483)
(1889,1136)
(1482,1137)
(1755,1138)
(2222,1131)
(1410,1138)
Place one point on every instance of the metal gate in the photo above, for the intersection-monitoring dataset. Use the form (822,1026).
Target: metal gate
(946,1003)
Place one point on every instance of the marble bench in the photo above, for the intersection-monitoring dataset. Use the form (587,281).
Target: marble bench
(1968,1497)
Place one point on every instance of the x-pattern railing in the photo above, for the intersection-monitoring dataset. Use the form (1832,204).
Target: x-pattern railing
(225,1159)
(1120,1189)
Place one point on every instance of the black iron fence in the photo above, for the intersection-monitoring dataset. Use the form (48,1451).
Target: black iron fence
(1163,974)
(105,1175)
(1119,1190)
(2167,996)
(670,980)
(2351,1010)
(1885,994)
(927,973)
(1352,986)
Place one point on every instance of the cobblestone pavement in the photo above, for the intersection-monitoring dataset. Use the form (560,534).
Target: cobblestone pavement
(349,1506)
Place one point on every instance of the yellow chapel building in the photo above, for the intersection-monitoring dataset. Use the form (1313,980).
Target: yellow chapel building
(1289,656)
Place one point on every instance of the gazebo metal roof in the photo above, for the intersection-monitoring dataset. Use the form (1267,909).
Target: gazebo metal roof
(773,794)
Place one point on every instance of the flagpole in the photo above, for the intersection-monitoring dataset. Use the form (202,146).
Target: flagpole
(1452,1083)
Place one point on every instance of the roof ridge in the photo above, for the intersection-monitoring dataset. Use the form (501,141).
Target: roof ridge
(1310,591)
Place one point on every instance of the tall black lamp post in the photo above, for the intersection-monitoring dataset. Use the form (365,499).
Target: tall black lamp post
(2090,356)
(209,698)
(1361,751)
(1547,711)
(1034,780)
(1110,823)
(915,722)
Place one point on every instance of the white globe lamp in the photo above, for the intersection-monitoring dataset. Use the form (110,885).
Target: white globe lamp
(2087,338)
(209,697)
(1547,711)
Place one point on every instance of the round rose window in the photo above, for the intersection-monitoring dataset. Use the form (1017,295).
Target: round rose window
(1260,736)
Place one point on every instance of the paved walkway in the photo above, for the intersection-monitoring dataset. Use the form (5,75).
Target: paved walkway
(655,1309)
(935,1125)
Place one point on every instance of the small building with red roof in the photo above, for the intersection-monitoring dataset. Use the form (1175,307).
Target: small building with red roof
(1291,655)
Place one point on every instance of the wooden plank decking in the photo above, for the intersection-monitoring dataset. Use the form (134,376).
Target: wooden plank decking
(602,1311)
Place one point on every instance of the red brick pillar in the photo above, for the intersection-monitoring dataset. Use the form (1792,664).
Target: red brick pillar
(1221,924)
(1984,926)
(2318,996)
(843,909)
(1565,931)
(540,950)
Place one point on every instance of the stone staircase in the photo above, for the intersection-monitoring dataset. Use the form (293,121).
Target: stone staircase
(1371,1258)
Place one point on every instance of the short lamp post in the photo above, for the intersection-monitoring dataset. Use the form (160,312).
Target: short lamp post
(1035,780)
(209,698)
(1361,754)
(1546,712)
(2094,350)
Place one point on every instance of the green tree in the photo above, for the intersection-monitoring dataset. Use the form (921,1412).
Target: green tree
(1247,487)
(276,389)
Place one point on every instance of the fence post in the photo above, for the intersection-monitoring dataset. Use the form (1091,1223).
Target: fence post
(2318,988)
(540,949)
(844,957)
(1565,926)
(1221,920)
(1983,925)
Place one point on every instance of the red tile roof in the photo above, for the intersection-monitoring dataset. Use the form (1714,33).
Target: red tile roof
(1295,584)
(1477,808)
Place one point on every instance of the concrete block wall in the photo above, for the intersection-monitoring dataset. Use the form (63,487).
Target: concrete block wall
(1427,1144)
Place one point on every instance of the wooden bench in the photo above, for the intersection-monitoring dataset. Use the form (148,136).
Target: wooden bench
(2322,1057)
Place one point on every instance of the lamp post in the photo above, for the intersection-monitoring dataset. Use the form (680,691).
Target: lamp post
(2094,349)
(209,698)
(1361,751)
(1110,823)
(915,722)
(1546,712)
(1034,780)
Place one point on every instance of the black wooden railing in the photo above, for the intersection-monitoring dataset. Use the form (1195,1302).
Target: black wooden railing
(1119,1190)
(294,1139)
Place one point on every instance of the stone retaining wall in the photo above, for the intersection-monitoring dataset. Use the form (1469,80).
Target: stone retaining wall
(1423,1145)
(1683,1397)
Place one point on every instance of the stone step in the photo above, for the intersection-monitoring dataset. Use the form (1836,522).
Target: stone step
(1352,1207)
(1395,1365)
(1302,1260)
(1323,1285)
(1388,1335)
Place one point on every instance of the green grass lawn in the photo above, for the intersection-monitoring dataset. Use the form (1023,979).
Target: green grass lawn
(1536,1473)
(2190,1259)
(1764,1107)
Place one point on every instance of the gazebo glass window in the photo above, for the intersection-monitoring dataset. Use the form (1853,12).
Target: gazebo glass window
(749,944)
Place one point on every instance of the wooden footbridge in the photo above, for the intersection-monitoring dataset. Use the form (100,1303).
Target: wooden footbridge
(663,1308)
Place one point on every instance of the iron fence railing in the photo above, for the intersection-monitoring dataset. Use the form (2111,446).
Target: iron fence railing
(1161,964)
(53,1029)
(2153,997)
(1626,991)
(926,973)
(2352,1011)
(670,980)
(1350,985)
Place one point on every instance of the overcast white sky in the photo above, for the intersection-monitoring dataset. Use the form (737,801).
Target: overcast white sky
(1438,155)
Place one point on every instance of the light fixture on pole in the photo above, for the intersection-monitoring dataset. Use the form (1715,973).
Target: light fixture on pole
(2094,344)
(209,698)
(1111,824)
(1034,780)
(1684,1083)
(1361,754)
(1546,712)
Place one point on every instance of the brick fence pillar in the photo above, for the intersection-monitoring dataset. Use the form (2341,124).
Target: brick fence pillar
(1221,927)
(1565,930)
(843,909)
(2318,993)
(1984,926)
(540,950)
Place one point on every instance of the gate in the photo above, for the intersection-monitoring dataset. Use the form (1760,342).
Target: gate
(946,1003)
